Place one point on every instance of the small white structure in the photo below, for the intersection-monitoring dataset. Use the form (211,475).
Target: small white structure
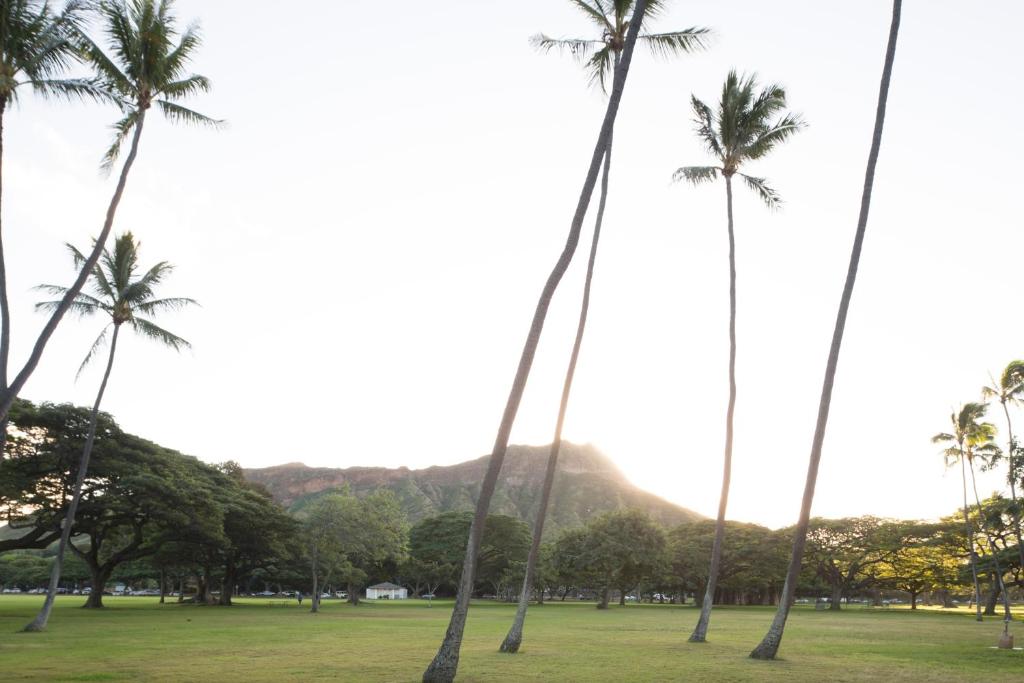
(386,591)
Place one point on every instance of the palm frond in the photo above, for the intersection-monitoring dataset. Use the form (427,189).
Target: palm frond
(706,128)
(764,191)
(688,40)
(578,48)
(696,175)
(776,134)
(168,304)
(148,329)
(71,89)
(179,114)
(595,12)
(186,87)
(100,342)
(122,129)
(599,66)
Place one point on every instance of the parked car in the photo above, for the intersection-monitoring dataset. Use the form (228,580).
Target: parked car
(341,594)
(266,594)
(428,596)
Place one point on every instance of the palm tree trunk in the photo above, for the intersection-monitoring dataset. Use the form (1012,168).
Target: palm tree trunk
(1013,486)
(446,662)
(991,545)
(700,633)
(315,606)
(5,310)
(39,623)
(769,645)
(969,532)
(8,394)
(515,634)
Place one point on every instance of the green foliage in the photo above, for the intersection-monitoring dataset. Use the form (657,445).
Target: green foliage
(147,63)
(746,126)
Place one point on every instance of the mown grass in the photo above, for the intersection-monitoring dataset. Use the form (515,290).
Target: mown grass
(262,640)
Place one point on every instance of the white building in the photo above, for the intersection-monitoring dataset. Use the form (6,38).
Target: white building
(386,591)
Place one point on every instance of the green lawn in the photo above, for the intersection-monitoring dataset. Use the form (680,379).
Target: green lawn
(138,639)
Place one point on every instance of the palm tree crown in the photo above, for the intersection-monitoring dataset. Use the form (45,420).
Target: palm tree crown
(122,295)
(147,65)
(744,128)
(970,437)
(36,48)
(612,18)
(1010,386)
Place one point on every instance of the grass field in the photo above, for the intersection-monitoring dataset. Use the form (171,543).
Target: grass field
(262,640)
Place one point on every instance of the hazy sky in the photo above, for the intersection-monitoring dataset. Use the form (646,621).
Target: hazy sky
(369,236)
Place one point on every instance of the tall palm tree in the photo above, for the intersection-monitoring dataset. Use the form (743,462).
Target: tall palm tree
(965,429)
(446,662)
(1008,390)
(769,645)
(35,51)
(147,65)
(122,296)
(596,55)
(746,126)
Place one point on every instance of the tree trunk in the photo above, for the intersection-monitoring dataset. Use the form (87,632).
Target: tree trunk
(947,601)
(315,602)
(99,578)
(39,623)
(836,602)
(5,310)
(7,396)
(991,546)
(181,592)
(622,598)
(993,597)
(1013,485)
(353,594)
(769,646)
(700,633)
(227,586)
(605,596)
(969,532)
(163,584)
(445,663)
(913,599)
(514,638)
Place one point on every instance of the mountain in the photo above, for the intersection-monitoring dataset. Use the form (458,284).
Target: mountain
(587,484)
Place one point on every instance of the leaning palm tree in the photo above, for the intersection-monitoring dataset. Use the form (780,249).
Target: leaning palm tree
(147,66)
(446,662)
(35,52)
(122,296)
(598,56)
(746,126)
(1009,389)
(769,645)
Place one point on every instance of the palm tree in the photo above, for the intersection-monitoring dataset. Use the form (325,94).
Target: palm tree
(446,662)
(769,645)
(596,55)
(746,127)
(35,50)
(123,297)
(966,430)
(1009,390)
(147,67)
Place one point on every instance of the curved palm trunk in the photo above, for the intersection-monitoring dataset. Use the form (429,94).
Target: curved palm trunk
(515,634)
(991,546)
(1013,485)
(969,533)
(769,646)
(39,623)
(445,663)
(8,394)
(700,633)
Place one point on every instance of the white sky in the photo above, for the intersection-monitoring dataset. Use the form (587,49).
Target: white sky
(369,236)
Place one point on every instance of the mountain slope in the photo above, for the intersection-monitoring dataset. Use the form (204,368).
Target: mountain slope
(587,484)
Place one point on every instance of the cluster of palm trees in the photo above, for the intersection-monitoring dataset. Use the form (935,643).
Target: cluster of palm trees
(746,125)
(971,443)
(140,60)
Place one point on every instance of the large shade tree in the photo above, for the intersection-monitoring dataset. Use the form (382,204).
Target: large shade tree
(769,645)
(746,125)
(122,296)
(144,63)
(599,56)
(444,666)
